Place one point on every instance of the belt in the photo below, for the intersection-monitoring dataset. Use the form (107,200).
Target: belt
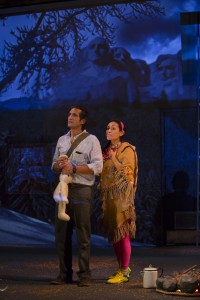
(78,185)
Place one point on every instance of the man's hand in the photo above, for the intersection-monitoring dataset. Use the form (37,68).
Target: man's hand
(62,161)
(67,168)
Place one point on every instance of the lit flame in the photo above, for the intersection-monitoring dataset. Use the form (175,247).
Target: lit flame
(196,291)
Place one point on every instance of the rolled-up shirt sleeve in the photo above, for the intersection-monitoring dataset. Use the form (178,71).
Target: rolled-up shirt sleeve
(95,156)
(57,152)
(88,152)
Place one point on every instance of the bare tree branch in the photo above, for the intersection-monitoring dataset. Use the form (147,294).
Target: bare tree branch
(44,50)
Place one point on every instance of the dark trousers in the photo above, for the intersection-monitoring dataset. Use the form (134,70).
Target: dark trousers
(79,210)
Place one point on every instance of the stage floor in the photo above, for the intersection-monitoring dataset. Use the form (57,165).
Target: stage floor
(26,273)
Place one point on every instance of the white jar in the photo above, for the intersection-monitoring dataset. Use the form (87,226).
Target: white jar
(150,276)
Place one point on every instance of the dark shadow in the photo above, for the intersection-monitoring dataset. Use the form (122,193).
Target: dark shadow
(177,201)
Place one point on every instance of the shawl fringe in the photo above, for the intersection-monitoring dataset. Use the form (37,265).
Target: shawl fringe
(128,228)
(121,186)
(117,195)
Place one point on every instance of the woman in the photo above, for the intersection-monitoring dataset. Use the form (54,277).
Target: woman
(117,192)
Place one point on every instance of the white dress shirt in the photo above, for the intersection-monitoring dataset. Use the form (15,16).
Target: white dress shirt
(88,152)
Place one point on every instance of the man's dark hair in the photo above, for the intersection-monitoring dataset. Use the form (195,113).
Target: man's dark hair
(83,113)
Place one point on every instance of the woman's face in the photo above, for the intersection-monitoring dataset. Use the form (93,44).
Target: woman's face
(113,133)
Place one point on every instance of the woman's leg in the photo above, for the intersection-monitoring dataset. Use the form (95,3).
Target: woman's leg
(125,253)
(117,250)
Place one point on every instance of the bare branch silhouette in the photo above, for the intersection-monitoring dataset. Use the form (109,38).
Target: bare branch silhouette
(43,51)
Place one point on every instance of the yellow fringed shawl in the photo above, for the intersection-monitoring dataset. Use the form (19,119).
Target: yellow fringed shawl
(117,193)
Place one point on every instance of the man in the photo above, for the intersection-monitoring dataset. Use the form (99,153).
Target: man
(83,164)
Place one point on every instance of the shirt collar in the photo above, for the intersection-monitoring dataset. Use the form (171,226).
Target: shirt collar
(69,134)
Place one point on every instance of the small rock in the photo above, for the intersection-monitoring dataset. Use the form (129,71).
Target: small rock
(187,283)
(167,283)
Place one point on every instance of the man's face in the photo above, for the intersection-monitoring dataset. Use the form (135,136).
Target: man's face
(74,121)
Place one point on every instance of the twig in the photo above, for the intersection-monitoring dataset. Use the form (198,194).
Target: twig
(186,271)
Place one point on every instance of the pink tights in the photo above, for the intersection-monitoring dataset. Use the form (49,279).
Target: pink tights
(123,252)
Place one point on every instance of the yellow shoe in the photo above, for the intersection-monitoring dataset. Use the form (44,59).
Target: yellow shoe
(119,278)
(114,274)
(119,271)
(129,272)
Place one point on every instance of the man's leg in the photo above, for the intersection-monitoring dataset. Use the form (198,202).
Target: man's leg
(82,199)
(63,240)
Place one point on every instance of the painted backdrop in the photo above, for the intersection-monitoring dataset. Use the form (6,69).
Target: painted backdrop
(120,63)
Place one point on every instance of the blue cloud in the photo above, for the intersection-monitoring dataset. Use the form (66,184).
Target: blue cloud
(138,31)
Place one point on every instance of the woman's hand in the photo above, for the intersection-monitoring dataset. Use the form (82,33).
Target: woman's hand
(113,157)
(112,154)
(98,186)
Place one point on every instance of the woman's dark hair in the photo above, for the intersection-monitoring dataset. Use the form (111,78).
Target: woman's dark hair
(121,127)
(83,113)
